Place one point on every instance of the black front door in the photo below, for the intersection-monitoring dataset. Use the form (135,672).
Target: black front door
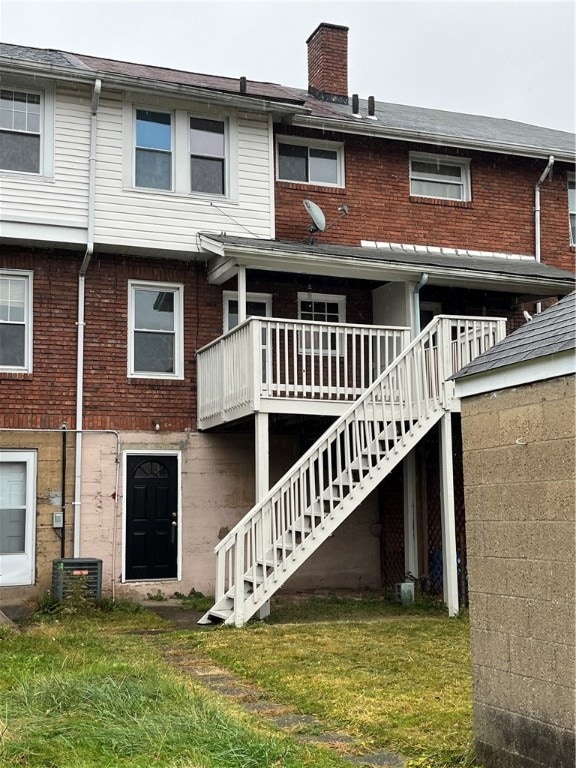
(151,517)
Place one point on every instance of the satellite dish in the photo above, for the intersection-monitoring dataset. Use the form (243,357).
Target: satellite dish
(317,216)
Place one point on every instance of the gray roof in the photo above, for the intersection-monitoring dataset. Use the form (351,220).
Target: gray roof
(528,268)
(548,333)
(451,125)
(396,120)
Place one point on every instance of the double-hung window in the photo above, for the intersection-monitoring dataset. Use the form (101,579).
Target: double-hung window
(325,308)
(207,156)
(310,163)
(155,342)
(572,207)
(439,176)
(15,321)
(153,162)
(20,130)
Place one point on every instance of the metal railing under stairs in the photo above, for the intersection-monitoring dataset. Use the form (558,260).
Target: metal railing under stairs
(344,466)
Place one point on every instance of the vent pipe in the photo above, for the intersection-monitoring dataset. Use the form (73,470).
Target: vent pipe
(243,87)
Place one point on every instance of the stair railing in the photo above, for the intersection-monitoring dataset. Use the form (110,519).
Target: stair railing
(373,430)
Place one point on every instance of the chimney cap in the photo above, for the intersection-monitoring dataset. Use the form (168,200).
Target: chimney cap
(326,25)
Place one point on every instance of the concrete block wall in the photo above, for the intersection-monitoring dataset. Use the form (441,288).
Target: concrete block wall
(519,471)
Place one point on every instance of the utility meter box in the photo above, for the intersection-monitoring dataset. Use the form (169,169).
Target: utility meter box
(77,575)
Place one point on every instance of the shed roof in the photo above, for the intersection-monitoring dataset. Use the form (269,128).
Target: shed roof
(551,332)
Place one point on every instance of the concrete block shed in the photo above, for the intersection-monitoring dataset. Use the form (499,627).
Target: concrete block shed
(518,428)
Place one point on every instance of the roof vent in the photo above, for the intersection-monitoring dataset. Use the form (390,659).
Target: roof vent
(371,108)
(355,105)
(243,86)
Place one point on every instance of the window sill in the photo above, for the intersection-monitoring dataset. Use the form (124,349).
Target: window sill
(153,381)
(18,375)
(196,197)
(440,201)
(304,187)
(34,178)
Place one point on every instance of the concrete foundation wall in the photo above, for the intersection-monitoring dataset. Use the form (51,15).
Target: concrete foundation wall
(49,452)
(519,471)
(217,491)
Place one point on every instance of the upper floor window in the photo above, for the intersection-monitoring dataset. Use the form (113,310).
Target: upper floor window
(153,163)
(155,341)
(20,131)
(15,321)
(207,156)
(310,162)
(439,176)
(572,207)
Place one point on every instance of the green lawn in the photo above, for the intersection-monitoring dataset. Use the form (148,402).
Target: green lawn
(79,693)
(395,679)
(86,691)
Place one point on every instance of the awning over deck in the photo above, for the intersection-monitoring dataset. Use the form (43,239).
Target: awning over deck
(515,273)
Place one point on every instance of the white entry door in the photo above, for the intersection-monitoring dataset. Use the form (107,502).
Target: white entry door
(17,517)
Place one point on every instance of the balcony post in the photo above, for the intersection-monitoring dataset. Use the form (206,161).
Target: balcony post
(449,554)
(262,462)
(241,293)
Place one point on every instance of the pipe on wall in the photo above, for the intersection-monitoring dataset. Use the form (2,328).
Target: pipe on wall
(541,180)
(81,314)
(416,299)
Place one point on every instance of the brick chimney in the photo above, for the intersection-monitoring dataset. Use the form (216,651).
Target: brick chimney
(328,63)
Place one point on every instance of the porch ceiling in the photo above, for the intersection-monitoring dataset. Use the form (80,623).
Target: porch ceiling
(385,264)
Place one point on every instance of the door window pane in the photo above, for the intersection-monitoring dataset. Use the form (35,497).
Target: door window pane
(12,507)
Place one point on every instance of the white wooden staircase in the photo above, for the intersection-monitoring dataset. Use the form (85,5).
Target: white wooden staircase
(344,466)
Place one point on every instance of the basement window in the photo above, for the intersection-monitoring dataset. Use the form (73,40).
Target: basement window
(310,163)
(439,176)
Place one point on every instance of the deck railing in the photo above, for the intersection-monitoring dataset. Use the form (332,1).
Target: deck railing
(265,358)
(345,464)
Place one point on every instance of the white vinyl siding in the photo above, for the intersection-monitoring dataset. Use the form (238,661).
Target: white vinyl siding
(439,176)
(58,197)
(15,321)
(17,517)
(166,221)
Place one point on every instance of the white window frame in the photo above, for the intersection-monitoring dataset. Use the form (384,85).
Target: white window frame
(572,211)
(18,568)
(28,320)
(224,121)
(45,90)
(178,290)
(462,163)
(140,108)
(181,174)
(333,146)
(228,296)
(304,346)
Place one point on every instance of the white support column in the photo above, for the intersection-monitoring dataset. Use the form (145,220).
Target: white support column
(262,464)
(449,557)
(410,524)
(262,457)
(241,294)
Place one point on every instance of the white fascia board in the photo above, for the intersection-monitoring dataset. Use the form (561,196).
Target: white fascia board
(349,267)
(528,372)
(40,232)
(426,137)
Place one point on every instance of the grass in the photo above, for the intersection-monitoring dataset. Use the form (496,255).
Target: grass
(82,688)
(78,692)
(394,678)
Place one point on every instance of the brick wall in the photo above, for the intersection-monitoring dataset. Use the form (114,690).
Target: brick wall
(500,216)
(520,509)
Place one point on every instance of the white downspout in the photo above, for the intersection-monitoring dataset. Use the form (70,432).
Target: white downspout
(539,183)
(80,322)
